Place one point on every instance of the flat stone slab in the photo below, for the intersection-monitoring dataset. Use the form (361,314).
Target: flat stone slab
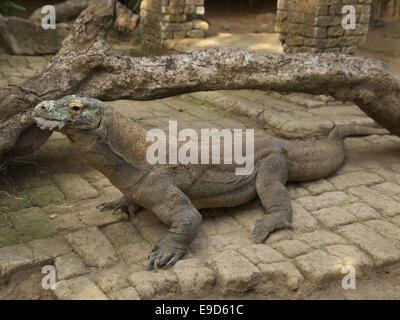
(292,248)
(319,266)
(126,294)
(379,248)
(93,247)
(14,258)
(378,201)
(293,115)
(43,196)
(69,266)
(122,233)
(32,223)
(149,284)
(328,199)
(261,253)
(49,248)
(193,277)
(234,273)
(80,288)
(352,256)
(302,220)
(74,187)
(334,216)
(355,179)
(275,276)
(362,211)
(114,278)
(321,238)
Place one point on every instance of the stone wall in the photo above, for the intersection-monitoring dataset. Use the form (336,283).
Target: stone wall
(388,9)
(171,19)
(315,25)
(303,25)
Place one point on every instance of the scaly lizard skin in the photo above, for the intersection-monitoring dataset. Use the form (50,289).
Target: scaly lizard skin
(116,146)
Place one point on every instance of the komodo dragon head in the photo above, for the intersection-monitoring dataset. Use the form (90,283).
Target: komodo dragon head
(70,112)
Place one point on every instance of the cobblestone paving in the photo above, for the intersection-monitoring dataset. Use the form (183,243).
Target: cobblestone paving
(48,213)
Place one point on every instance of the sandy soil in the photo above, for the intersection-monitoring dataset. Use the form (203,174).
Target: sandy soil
(383,43)
(377,286)
(237,18)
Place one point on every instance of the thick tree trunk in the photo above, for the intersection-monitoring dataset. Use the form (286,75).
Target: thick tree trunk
(86,65)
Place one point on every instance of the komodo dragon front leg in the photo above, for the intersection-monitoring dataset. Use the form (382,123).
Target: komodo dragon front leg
(176,210)
(271,177)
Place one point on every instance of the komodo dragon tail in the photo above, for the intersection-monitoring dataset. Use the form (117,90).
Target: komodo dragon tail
(356,131)
(315,159)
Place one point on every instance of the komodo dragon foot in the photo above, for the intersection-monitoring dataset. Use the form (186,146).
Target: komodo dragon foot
(164,255)
(267,224)
(124,203)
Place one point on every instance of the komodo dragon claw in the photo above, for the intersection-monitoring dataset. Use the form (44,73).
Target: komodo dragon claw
(163,255)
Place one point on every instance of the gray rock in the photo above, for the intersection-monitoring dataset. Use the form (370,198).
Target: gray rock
(19,36)
(66,11)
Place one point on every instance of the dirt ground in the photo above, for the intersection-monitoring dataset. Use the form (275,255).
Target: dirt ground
(377,286)
(228,17)
(383,43)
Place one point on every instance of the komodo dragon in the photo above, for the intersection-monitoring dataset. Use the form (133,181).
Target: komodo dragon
(116,146)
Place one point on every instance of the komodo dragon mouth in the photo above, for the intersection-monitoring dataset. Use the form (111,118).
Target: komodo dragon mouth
(43,123)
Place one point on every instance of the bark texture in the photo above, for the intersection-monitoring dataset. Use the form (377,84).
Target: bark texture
(86,65)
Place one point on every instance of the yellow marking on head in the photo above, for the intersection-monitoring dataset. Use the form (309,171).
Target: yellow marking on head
(75,103)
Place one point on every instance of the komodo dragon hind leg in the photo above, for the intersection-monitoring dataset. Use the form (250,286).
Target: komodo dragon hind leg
(124,203)
(270,186)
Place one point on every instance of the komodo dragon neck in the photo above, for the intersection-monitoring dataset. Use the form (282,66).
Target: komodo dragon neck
(117,148)
(124,137)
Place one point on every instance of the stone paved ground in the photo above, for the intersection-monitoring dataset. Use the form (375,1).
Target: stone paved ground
(48,214)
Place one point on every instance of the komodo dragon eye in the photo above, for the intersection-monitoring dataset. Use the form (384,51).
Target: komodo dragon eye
(75,105)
